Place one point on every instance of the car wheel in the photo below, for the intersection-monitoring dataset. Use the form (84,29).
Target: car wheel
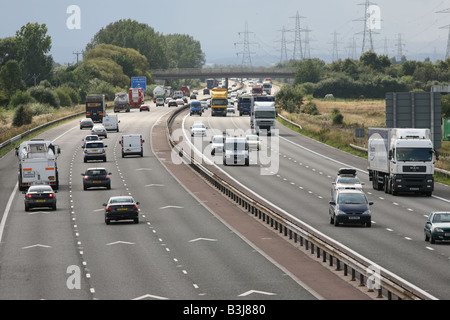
(109,186)
(54,207)
(104,160)
(106,221)
(136,220)
(27,208)
(432,240)
(331,219)
(85,160)
(336,223)
(368,224)
(427,238)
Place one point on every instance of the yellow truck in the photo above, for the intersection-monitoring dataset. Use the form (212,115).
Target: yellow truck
(219,102)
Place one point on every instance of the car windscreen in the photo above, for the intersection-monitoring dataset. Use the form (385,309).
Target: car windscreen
(441,217)
(352,198)
(348,180)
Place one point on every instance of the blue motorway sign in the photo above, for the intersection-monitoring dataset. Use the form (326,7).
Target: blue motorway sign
(139,82)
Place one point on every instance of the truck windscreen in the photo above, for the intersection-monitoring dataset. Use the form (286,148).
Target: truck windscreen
(219,102)
(414,154)
(265,115)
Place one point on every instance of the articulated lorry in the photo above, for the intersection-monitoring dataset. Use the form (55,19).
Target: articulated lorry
(37,163)
(401,160)
(244,104)
(95,107)
(262,117)
(219,102)
(121,102)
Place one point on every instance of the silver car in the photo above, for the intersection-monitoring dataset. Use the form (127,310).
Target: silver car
(437,226)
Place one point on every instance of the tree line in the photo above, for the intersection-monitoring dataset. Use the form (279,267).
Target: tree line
(370,76)
(30,78)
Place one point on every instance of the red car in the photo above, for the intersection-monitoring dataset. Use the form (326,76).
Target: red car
(144,107)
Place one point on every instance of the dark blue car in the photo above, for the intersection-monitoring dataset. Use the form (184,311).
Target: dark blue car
(196,108)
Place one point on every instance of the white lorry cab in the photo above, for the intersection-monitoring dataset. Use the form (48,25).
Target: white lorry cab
(111,123)
(132,144)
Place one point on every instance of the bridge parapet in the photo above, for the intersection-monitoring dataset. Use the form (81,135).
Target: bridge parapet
(203,73)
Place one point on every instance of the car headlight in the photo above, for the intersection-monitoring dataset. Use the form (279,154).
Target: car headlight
(367,212)
(438,230)
(340,212)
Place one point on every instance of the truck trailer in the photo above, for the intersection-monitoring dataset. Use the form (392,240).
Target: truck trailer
(121,102)
(38,164)
(95,107)
(401,160)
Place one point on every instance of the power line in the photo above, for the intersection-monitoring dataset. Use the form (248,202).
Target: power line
(447,54)
(246,54)
(298,37)
(283,45)
(367,32)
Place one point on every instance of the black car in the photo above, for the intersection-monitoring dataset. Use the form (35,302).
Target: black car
(350,206)
(121,208)
(96,178)
(173,103)
(40,196)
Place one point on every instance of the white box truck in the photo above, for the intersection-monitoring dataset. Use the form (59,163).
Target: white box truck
(401,160)
(38,163)
(132,144)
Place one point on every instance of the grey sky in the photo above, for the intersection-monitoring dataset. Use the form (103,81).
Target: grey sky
(217,26)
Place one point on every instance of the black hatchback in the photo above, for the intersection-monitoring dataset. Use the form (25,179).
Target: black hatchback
(96,178)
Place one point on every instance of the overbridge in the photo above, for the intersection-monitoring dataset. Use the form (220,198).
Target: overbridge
(206,73)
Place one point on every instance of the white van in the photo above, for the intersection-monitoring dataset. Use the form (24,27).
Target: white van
(132,144)
(111,123)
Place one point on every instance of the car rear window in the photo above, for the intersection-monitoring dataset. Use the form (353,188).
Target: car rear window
(94,145)
(96,172)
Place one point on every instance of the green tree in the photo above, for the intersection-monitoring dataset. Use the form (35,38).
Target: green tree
(184,52)
(132,34)
(10,77)
(33,44)
(310,70)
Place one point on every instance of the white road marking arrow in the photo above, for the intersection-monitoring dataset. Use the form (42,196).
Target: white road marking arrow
(150,296)
(168,207)
(256,291)
(202,239)
(118,242)
(37,245)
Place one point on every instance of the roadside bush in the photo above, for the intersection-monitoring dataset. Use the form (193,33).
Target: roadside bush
(310,108)
(20,98)
(23,115)
(64,98)
(39,108)
(71,92)
(336,117)
(45,96)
